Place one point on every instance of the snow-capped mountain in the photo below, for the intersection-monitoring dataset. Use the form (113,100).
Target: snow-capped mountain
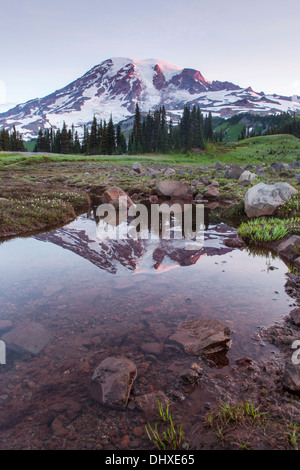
(116,85)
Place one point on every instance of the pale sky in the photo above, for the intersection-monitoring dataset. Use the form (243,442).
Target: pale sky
(48,44)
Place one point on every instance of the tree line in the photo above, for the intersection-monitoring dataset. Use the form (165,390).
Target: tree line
(150,134)
(154,134)
(101,138)
(11,141)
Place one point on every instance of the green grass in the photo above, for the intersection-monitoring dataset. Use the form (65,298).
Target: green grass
(164,434)
(257,150)
(267,230)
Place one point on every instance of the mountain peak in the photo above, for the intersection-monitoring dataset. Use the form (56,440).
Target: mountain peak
(114,86)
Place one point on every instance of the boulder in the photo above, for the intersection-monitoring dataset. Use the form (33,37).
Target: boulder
(137,167)
(112,195)
(169,172)
(27,338)
(211,193)
(172,189)
(247,176)
(234,172)
(278,166)
(202,336)
(112,380)
(264,199)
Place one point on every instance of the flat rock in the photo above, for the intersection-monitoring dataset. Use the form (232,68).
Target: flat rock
(28,337)
(202,336)
(112,380)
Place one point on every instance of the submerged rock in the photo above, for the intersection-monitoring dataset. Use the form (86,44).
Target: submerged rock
(28,337)
(192,375)
(112,380)
(149,402)
(202,336)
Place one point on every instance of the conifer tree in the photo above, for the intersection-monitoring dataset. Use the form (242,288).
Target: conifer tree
(111,143)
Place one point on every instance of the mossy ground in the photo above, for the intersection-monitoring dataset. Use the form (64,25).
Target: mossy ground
(42,190)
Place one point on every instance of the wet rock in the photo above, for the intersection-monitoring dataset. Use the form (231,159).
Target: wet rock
(170,188)
(113,194)
(5,325)
(295,316)
(192,375)
(211,193)
(291,377)
(112,380)
(28,337)
(202,336)
(264,199)
(149,402)
(137,167)
(287,247)
(235,242)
